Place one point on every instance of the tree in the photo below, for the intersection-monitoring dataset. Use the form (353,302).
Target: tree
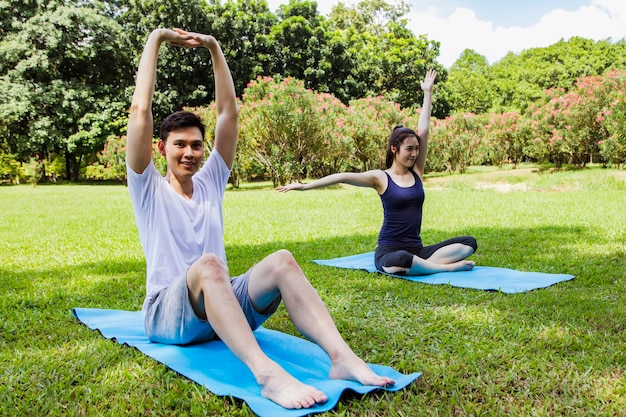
(298,41)
(62,73)
(389,60)
(243,28)
(469,83)
(520,80)
(183,75)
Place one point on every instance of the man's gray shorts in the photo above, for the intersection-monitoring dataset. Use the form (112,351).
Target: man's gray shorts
(170,319)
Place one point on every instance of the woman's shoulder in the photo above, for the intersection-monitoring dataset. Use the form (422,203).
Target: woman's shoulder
(379,179)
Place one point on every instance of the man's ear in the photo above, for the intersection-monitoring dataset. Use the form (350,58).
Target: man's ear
(161,147)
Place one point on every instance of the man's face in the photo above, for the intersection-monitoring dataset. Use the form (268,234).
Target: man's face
(183,150)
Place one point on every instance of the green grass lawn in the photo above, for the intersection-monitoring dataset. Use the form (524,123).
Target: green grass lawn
(554,351)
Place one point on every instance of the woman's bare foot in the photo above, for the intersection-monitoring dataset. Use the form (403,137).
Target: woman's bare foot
(463,265)
(354,368)
(279,386)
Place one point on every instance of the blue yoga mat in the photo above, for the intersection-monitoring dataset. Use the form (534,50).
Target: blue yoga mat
(505,280)
(213,365)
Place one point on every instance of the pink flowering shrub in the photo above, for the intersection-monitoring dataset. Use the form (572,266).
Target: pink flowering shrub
(506,137)
(288,132)
(283,131)
(242,164)
(369,123)
(337,149)
(547,143)
(456,142)
(568,127)
(613,119)
(111,163)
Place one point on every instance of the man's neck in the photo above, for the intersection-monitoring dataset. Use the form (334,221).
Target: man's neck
(183,186)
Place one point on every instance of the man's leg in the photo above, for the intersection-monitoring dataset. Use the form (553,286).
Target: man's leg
(280,273)
(213,299)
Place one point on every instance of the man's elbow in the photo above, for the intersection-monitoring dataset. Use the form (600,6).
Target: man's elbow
(139,111)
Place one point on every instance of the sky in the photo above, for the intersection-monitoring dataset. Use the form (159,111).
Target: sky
(494,28)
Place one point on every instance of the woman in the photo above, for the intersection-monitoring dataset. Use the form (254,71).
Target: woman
(400,249)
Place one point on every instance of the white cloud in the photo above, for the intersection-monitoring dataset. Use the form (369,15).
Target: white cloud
(602,19)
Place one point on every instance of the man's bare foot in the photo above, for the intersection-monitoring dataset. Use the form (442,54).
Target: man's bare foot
(354,368)
(279,386)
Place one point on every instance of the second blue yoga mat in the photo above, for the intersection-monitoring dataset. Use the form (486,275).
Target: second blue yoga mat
(505,280)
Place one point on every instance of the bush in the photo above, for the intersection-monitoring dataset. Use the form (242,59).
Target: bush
(613,119)
(506,137)
(369,123)
(10,169)
(456,143)
(282,128)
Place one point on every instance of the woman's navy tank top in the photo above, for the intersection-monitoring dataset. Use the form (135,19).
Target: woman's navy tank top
(402,209)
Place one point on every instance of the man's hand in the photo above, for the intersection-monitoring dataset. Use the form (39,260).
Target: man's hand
(184,39)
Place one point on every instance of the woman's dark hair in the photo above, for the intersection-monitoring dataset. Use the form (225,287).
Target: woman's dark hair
(397,138)
(177,120)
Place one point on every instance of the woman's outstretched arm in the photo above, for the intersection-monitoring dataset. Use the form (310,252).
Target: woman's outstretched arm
(423,125)
(372,179)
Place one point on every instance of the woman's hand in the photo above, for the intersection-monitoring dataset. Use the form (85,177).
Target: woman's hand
(429,81)
(295,186)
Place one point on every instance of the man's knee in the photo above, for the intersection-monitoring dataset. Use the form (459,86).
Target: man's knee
(282,263)
(208,269)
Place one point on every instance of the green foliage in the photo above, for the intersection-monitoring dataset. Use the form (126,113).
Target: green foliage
(55,168)
(34,171)
(389,60)
(10,169)
(282,127)
(182,75)
(521,79)
(568,126)
(242,28)
(54,89)
(469,83)
(455,142)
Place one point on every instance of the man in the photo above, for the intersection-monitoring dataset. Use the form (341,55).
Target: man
(190,294)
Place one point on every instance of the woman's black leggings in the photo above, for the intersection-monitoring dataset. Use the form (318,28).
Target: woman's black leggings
(387,256)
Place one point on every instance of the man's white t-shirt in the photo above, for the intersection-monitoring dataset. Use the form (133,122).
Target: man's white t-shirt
(175,231)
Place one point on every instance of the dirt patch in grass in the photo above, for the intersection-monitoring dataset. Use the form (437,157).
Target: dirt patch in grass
(502,187)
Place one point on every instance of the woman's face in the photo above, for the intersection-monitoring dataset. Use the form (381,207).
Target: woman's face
(408,151)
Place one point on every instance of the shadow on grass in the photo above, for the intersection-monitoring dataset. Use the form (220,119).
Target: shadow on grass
(121,284)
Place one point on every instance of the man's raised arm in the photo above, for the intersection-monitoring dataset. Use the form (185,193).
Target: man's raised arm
(140,122)
(226,128)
